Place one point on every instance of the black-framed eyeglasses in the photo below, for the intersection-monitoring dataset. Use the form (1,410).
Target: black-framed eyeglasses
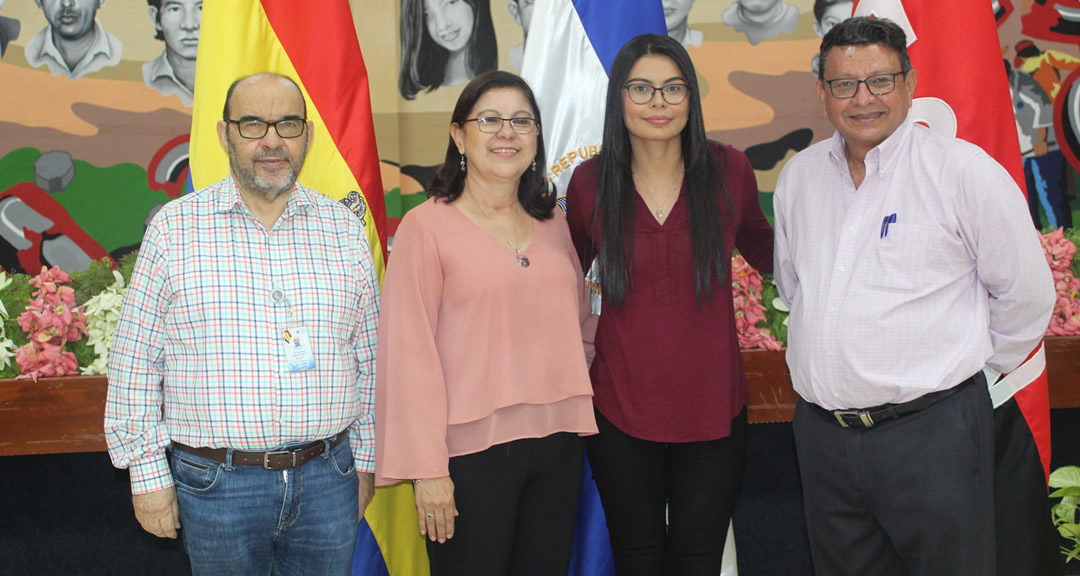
(641,93)
(253,128)
(878,85)
(492,124)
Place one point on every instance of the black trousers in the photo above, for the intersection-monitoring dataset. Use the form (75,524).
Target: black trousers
(518,509)
(912,496)
(1027,541)
(695,482)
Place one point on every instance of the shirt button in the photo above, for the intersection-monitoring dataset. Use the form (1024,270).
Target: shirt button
(832,308)
(850,228)
(835,394)
(842,268)
(829,353)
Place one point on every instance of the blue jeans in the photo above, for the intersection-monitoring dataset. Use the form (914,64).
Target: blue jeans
(246,520)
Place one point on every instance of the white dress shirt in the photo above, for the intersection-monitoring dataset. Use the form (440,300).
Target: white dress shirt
(887,313)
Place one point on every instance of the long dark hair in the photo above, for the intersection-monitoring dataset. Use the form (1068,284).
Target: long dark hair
(423,61)
(534,192)
(615,198)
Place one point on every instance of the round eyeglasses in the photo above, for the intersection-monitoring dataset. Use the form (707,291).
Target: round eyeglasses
(878,85)
(253,129)
(492,124)
(641,93)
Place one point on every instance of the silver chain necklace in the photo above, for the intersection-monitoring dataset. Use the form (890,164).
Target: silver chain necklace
(520,258)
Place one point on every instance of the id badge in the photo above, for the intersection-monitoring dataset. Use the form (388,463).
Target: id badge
(297,349)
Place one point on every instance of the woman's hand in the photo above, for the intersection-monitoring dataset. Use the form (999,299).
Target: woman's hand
(435,508)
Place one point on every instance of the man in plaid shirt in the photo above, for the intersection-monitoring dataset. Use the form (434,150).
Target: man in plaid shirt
(246,347)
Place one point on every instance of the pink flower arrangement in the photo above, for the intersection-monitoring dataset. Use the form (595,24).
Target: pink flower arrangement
(749,312)
(1059,251)
(51,320)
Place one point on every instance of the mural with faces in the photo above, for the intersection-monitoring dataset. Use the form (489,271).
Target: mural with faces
(74,43)
(177,23)
(110,84)
(444,43)
(97,139)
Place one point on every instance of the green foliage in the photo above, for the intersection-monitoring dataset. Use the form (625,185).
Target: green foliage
(127,265)
(15,297)
(1067,481)
(1073,235)
(84,354)
(774,319)
(90,282)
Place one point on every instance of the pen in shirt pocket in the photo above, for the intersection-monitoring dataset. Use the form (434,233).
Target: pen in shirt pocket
(890,219)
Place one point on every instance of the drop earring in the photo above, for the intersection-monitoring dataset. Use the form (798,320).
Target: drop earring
(534,166)
(462,163)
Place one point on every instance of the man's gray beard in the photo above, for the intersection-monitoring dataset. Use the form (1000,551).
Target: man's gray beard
(254,184)
(251,182)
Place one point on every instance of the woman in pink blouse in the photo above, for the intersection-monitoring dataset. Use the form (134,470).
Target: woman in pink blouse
(661,208)
(482,385)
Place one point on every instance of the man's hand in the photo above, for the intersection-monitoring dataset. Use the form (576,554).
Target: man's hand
(158,512)
(367,491)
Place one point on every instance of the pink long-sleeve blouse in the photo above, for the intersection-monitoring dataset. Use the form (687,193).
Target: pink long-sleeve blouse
(473,349)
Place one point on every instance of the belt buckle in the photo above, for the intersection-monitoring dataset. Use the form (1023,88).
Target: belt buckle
(267,455)
(839,414)
(863,415)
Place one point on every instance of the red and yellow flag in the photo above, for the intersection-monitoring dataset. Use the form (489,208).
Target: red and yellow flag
(314,44)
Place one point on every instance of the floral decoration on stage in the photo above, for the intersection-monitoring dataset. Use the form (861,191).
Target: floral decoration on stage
(1060,250)
(42,324)
(46,332)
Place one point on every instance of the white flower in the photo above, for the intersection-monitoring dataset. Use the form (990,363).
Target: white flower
(7,351)
(102,315)
(7,347)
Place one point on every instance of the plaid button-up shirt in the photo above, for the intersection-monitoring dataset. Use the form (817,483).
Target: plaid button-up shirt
(199,357)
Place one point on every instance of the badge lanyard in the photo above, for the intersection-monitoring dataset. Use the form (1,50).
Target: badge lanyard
(295,342)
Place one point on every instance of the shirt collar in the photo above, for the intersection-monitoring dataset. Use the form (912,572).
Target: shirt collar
(160,67)
(230,200)
(880,157)
(101,46)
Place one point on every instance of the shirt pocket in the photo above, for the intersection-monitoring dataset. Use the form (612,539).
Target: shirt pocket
(898,258)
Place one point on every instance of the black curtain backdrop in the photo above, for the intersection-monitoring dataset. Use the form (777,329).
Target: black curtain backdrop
(70,514)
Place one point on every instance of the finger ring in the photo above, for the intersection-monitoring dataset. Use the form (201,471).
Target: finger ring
(429,515)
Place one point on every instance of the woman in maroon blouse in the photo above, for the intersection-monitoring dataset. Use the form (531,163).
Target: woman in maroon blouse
(660,208)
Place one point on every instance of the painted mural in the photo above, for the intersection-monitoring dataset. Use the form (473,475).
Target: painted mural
(95,107)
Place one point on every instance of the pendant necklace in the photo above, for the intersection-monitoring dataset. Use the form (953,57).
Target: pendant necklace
(659,213)
(521,259)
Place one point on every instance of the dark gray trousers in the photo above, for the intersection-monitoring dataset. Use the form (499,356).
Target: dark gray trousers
(911,496)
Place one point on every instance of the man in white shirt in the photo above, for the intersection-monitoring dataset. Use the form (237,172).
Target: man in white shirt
(909,263)
(74,43)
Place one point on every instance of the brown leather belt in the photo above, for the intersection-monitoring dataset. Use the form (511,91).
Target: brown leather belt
(273,460)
